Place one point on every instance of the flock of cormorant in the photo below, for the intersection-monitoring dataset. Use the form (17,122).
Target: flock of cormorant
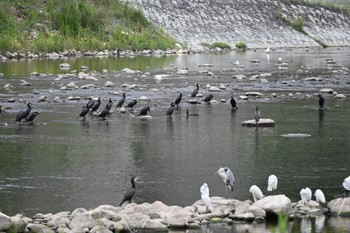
(225,173)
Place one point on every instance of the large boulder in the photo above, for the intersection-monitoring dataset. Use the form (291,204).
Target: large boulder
(176,216)
(340,206)
(5,222)
(18,224)
(273,205)
(81,219)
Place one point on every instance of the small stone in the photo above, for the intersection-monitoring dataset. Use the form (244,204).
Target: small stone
(182,72)
(25,83)
(259,220)
(109,84)
(214,89)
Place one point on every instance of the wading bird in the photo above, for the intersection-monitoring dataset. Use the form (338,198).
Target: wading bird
(188,114)
(23,114)
(131,104)
(320,198)
(104,113)
(84,111)
(96,105)
(178,100)
(121,102)
(208,98)
(227,176)
(272,183)
(131,192)
(320,101)
(32,116)
(205,197)
(109,104)
(256,192)
(233,103)
(170,110)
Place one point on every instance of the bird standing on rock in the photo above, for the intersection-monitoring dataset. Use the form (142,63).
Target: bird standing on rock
(109,104)
(144,111)
(195,91)
(121,102)
(131,104)
(96,105)
(208,98)
(346,187)
(256,192)
(257,115)
(23,114)
(131,192)
(204,189)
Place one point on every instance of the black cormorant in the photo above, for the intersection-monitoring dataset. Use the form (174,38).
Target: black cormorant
(170,110)
(195,91)
(178,100)
(32,116)
(320,101)
(257,115)
(188,114)
(96,105)
(144,111)
(131,192)
(23,114)
(121,101)
(104,113)
(84,111)
(91,103)
(109,104)
(131,104)
(233,102)
(208,98)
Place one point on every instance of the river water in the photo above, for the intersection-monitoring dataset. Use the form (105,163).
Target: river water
(61,163)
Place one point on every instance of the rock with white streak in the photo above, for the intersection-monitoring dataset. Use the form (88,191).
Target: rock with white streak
(5,222)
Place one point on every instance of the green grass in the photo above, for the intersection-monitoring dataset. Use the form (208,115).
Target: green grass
(76,24)
(221,45)
(241,45)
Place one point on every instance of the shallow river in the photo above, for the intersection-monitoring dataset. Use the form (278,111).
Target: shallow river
(61,163)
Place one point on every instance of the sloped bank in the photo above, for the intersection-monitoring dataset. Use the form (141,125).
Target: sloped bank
(258,23)
(156,216)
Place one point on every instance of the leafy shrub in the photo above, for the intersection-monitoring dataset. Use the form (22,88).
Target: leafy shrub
(221,45)
(241,45)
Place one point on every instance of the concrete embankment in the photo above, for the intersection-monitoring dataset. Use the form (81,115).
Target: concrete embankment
(258,23)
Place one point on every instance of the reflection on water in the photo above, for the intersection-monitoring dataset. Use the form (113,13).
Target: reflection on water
(61,163)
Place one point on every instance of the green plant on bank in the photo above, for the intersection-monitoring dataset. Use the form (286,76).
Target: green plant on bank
(221,45)
(76,24)
(282,224)
(241,45)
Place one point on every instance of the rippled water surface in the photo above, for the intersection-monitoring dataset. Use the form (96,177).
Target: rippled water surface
(61,163)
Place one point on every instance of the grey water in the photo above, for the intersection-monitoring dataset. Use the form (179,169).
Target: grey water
(61,163)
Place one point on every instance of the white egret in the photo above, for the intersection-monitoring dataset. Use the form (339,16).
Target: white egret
(346,187)
(272,183)
(205,197)
(305,195)
(227,176)
(256,192)
(320,198)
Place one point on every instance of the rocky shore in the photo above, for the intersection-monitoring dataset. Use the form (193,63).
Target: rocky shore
(157,216)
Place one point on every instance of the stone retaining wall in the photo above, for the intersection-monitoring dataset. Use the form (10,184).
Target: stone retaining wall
(254,22)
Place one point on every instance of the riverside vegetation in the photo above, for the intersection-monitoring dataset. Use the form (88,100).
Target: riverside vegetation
(56,25)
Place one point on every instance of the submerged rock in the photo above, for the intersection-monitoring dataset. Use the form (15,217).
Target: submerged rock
(261,123)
